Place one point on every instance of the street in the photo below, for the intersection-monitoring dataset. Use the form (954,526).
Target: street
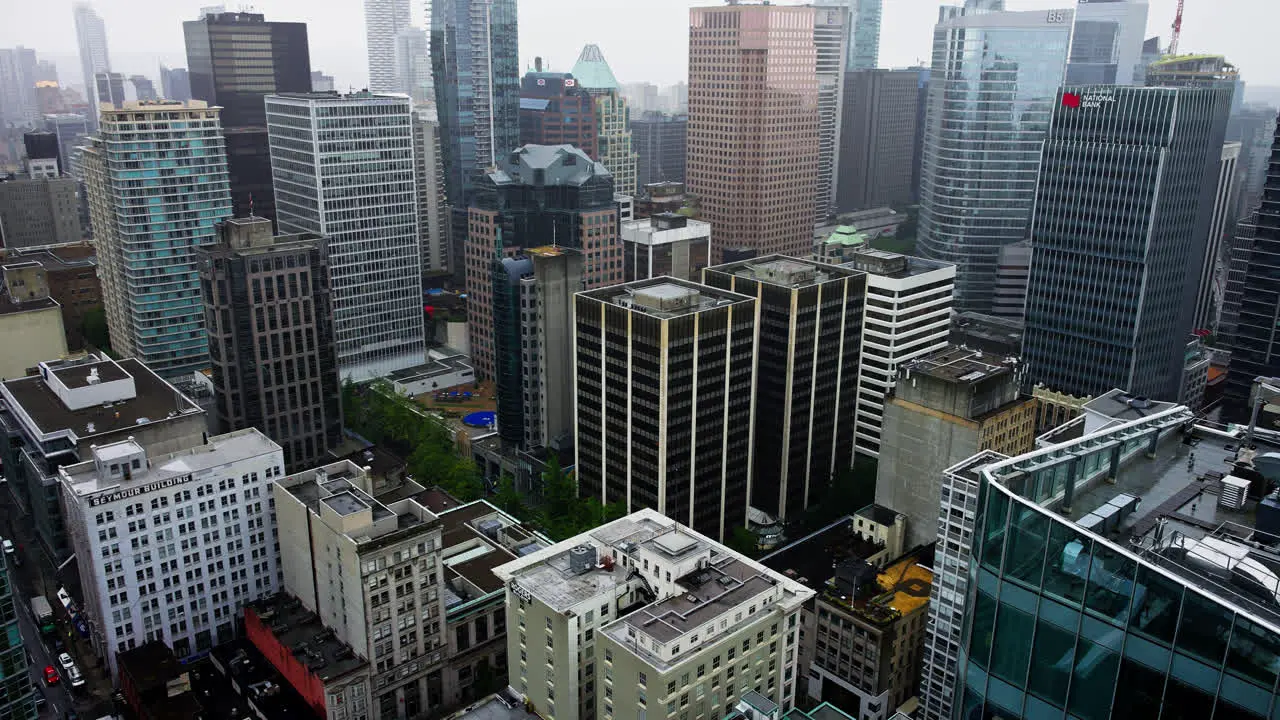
(33,577)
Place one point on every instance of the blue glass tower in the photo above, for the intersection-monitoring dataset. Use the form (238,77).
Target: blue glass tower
(17,694)
(1122,214)
(995,77)
(157,185)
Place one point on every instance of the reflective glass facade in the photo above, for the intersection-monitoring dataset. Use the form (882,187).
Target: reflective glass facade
(17,691)
(1108,290)
(994,80)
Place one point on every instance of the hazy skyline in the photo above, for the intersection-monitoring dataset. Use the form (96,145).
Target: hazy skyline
(643,40)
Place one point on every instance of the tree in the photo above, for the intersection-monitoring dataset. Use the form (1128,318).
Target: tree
(743,541)
(94,328)
(508,498)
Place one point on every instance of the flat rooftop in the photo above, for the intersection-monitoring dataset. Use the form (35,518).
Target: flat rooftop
(708,594)
(495,708)
(155,401)
(667,297)
(301,631)
(220,450)
(9,307)
(893,265)
(337,491)
(960,365)
(784,271)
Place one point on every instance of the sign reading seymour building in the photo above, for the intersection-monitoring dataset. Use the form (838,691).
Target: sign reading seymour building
(139,490)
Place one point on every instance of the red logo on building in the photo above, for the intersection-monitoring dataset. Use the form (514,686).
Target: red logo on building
(1070,100)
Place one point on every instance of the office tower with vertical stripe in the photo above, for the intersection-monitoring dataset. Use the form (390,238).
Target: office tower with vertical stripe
(1122,214)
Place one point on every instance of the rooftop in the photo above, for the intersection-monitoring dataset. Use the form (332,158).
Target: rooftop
(58,257)
(34,401)
(666,297)
(892,265)
(312,643)
(88,478)
(846,235)
(592,71)
(546,165)
(783,271)
(153,670)
(708,594)
(9,307)
(478,537)
(959,365)
(496,707)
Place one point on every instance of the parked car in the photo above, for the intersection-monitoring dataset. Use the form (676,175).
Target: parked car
(8,546)
(51,675)
(65,661)
(73,675)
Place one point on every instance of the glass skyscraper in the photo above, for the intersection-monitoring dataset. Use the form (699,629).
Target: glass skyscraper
(1126,193)
(343,167)
(994,81)
(1106,43)
(16,689)
(1108,576)
(156,178)
(861,32)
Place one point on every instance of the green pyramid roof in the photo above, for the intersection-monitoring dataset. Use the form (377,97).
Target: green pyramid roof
(846,235)
(592,72)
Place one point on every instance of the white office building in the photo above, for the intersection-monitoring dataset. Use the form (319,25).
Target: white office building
(343,167)
(172,546)
(908,314)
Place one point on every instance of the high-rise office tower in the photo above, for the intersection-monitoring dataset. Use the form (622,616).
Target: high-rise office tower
(143,88)
(1256,348)
(533,339)
(555,110)
(175,83)
(413,64)
(665,395)
(365,205)
(1253,127)
(235,60)
(383,21)
(39,211)
(147,232)
(1216,258)
(474,57)
(612,116)
(70,129)
(753,125)
(20,700)
(476,72)
(433,213)
(861,32)
(806,374)
(537,194)
(1009,297)
(908,314)
(91,36)
(1106,43)
(660,140)
(110,88)
(993,85)
(18,70)
(877,139)
(829,38)
(266,307)
(665,243)
(321,82)
(1106,294)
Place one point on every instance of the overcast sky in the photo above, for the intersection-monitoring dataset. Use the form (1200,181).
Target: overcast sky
(641,39)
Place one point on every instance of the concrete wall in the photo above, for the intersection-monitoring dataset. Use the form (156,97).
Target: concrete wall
(30,338)
(918,445)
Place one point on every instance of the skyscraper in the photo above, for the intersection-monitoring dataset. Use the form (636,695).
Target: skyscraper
(1106,43)
(612,116)
(476,72)
(1213,268)
(806,375)
(1256,350)
(992,90)
(537,194)
(433,213)
(266,305)
(547,329)
(665,392)
(753,125)
(18,70)
(829,35)
(147,232)
(175,83)
(661,142)
(20,700)
(110,88)
(143,88)
(1107,293)
(877,139)
(235,60)
(91,36)
(413,64)
(365,205)
(383,21)
(474,58)
(861,32)
(70,129)
(555,110)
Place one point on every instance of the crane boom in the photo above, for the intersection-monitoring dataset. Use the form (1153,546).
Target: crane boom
(1177,30)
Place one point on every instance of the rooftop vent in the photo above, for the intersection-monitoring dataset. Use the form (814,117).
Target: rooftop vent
(581,559)
(93,378)
(1140,402)
(1233,493)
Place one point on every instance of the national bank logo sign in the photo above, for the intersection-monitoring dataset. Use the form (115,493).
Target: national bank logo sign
(1087,100)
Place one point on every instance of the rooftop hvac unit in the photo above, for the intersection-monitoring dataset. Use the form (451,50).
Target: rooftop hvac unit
(1233,493)
(581,559)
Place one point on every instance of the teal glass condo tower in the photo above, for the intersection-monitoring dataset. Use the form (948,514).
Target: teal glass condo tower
(156,177)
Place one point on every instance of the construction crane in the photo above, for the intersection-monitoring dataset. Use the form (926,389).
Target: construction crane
(1177,30)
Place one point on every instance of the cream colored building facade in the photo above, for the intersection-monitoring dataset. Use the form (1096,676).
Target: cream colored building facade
(30,321)
(643,617)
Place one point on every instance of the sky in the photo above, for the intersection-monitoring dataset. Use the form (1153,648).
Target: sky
(643,40)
